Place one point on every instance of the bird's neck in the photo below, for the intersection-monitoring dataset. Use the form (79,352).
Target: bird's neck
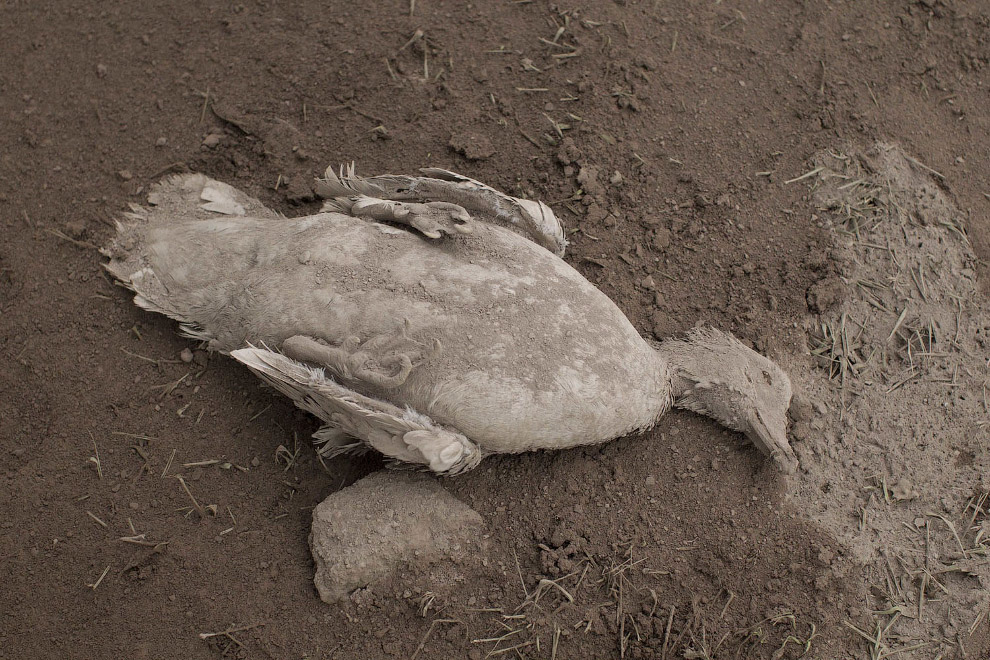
(687,364)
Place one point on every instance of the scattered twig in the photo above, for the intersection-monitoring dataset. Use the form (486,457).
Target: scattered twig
(199,509)
(98,521)
(206,103)
(77,243)
(168,464)
(429,632)
(925,167)
(228,633)
(99,580)
(96,458)
(806,175)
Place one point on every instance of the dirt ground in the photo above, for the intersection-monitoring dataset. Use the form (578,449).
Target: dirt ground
(667,137)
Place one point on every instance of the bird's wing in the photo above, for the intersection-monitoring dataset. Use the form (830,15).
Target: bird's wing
(534,220)
(403,435)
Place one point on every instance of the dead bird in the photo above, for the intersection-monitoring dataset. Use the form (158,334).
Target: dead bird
(430,318)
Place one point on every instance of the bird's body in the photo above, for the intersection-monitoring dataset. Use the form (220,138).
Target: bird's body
(486,340)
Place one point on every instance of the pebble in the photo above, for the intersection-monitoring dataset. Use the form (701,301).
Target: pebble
(212,140)
(186,355)
(801,409)
(661,238)
(161,142)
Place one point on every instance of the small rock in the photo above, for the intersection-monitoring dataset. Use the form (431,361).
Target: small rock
(801,431)
(903,490)
(616,178)
(596,214)
(134,506)
(661,238)
(18,452)
(125,175)
(161,142)
(75,228)
(800,410)
(568,152)
(389,526)
(255,462)
(588,179)
(186,355)
(473,146)
(212,140)
(362,598)
(101,70)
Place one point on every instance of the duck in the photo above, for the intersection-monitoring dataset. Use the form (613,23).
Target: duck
(430,318)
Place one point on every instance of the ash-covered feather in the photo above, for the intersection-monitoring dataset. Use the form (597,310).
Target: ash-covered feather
(387,428)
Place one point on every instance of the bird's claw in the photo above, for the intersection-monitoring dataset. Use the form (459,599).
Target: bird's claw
(432,219)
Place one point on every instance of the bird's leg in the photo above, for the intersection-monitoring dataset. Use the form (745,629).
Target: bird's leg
(432,219)
(383,361)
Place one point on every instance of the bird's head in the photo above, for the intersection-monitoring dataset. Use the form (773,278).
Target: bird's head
(715,374)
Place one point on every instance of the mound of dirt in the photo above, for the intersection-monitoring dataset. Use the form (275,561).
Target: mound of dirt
(894,461)
(392,526)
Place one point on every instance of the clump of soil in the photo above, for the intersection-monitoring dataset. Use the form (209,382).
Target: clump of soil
(893,445)
(389,527)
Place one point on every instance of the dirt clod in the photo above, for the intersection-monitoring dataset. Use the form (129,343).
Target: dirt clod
(473,146)
(388,529)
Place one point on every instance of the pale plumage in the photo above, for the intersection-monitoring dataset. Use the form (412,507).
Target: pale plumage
(430,319)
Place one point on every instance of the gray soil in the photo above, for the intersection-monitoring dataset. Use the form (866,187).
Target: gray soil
(664,136)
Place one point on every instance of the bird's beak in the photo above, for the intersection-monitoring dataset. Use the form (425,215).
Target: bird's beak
(770,437)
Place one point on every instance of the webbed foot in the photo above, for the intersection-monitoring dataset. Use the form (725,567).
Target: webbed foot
(432,219)
(384,360)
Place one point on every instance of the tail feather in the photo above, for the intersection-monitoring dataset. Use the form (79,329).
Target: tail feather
(181,197)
